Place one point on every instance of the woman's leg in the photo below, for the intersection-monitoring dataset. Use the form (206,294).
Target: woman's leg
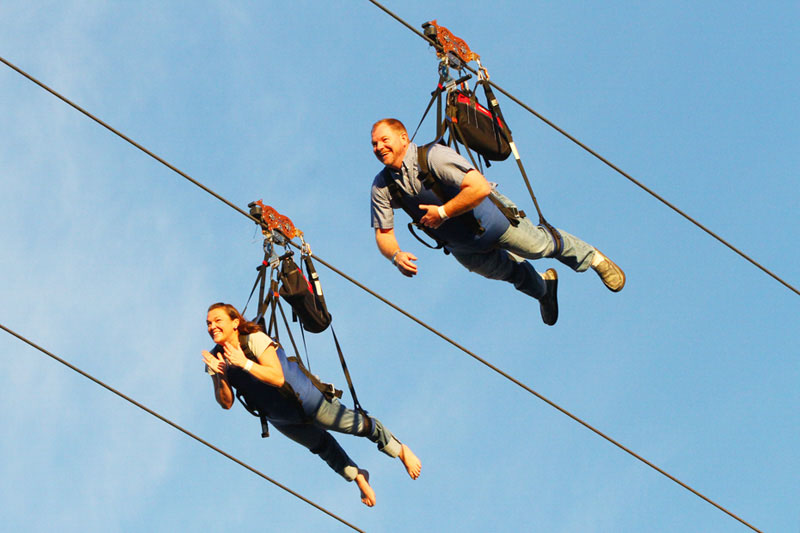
(321,443)
(336,417)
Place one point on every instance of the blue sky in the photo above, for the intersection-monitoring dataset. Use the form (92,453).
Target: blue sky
(110,260)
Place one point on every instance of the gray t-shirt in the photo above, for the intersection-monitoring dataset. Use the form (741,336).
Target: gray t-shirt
(444,162)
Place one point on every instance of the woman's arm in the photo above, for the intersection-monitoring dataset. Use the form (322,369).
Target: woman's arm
(268,369)
(222,389)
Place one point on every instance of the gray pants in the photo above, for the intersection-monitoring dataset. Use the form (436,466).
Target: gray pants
(336,417)
(525,241)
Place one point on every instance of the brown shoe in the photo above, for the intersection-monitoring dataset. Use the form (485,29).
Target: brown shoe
(548,304)
(613,277)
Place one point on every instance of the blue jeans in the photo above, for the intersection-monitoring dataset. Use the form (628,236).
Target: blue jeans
(336,417)
(525,241)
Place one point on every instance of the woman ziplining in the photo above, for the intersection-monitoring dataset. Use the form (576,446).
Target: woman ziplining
(246,360)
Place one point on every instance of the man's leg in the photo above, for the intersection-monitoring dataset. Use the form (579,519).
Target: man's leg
(534,242)
(501,265)
(505,266)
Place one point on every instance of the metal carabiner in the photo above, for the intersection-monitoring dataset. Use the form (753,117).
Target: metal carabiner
(483,74)
(305,248)
(444,71)
(269,251)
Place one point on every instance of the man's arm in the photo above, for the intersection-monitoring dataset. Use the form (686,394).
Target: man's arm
(474,188)
(390,249)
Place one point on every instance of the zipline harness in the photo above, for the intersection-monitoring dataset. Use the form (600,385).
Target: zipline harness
(286,280)
(465,121)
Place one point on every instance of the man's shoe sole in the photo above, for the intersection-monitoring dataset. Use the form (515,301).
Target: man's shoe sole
(551,294)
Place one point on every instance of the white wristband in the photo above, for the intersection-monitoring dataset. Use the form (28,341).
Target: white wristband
(248,365)
(394,257)
(442,213)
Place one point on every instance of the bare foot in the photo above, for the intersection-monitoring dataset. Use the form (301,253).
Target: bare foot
(367,494)
(412,462)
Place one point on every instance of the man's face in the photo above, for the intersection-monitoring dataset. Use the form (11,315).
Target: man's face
(389,145)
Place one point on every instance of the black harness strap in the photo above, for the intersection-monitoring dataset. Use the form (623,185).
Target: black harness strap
(285,390)
(270,299)
(305,346)
(288,331)
(435,95)
(431,183)
(327,389)
(439,244)
(263,300)
(398,196)
(513,215)
(494,107)
(368,427)
(252,410)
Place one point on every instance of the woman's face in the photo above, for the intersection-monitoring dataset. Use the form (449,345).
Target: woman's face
(221,327)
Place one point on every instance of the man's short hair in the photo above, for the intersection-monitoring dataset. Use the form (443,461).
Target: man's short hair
(393,123)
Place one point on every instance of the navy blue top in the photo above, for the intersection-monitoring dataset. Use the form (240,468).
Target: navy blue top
(295,402)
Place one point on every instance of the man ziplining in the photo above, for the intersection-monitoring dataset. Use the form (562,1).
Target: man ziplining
(468,223)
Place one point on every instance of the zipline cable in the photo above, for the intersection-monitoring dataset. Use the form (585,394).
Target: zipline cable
(376,295)
(176,426)
(538,395)
(600,157)
(123,136)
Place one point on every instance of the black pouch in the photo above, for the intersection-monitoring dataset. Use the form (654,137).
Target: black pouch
(306,299)
(477,129)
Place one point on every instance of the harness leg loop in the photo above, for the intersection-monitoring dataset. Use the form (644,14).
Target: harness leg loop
(558,240)
(367,431)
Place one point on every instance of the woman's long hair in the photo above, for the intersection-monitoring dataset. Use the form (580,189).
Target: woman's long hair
(245,326)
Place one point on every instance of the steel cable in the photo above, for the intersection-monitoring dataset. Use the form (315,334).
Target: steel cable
(376,295)
(601,158)
(176,426)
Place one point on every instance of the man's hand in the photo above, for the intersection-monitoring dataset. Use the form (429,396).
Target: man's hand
(387,244)
(405,263)
(216,364)
(474,188)
(431,219)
